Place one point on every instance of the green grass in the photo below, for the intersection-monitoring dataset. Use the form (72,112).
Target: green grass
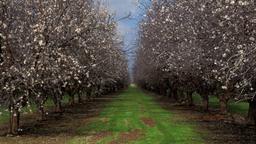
(125,116)
(234,107)
(5,115)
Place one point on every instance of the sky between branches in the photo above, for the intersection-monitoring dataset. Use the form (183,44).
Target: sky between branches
(128,28)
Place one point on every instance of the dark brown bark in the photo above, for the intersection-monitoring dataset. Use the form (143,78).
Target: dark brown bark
(89,94)
(58,107)
(205,103)
(18,119)
(14,122)
(175,94)
(72,100)
(252,112)
(161,90)
(168,93)
(190,99)
(181,97)
(11,123)
(80,98)
(224,103)
(42,114)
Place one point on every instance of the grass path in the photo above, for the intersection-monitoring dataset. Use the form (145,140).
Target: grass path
(130,117)
(134,117)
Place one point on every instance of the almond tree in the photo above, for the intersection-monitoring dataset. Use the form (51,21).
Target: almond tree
(203,46)
(49,48)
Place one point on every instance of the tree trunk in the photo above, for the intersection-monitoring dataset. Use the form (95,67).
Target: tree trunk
(252,112)
(168,93)
(42,114)
(223,104)
(89,94)
(162,91)
(18,119)
(79,98)
(58,108)
(181,97)
(190,99)
(175,94)
(11,123)
(71,99)
(205,103)
(14,122)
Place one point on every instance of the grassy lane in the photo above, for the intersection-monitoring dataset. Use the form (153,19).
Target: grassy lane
(136,118)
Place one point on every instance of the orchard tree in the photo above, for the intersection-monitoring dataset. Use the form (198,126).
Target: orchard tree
(52,48)
(203,46)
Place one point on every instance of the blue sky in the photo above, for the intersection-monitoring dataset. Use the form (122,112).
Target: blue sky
(127,28)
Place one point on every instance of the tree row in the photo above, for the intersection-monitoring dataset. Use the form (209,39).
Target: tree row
(203,46)
(49,49)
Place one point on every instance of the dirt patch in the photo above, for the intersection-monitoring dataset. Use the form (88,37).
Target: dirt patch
(99,136)
(148,121)
(213,117)
(126,137)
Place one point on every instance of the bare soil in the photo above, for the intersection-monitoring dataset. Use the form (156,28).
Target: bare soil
(97,137)
(126,137)
(148,121)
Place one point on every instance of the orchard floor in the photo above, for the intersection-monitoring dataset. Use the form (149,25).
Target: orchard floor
(131,117)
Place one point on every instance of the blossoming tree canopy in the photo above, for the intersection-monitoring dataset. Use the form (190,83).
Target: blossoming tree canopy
(53,48)
(203,46)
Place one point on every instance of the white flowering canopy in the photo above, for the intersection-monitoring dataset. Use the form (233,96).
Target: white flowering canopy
(49,48)
(193,43)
